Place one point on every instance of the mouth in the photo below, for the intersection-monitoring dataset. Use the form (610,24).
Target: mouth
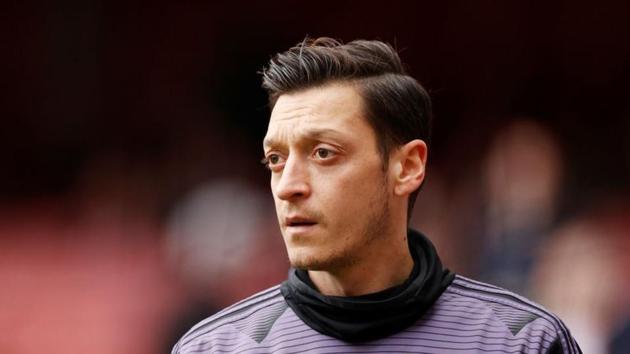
(299,223)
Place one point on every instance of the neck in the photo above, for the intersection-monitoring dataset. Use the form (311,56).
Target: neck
(385,264)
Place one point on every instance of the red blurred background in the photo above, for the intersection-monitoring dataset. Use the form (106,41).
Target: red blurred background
(132,203)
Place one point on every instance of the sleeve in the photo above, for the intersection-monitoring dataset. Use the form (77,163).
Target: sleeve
(176,347)
(564,343)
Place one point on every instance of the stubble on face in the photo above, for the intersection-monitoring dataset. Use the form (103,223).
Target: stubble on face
(347,195)
(347,250)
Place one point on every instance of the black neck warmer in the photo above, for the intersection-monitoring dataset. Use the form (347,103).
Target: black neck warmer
(372,316)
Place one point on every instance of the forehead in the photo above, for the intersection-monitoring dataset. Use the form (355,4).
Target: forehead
(331,109)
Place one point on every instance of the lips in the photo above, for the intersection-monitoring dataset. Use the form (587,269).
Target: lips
(297,221)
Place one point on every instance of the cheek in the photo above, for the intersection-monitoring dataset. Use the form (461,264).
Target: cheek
(350,193)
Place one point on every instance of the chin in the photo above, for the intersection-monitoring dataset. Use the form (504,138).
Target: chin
(301,261)
(305,258)
(318,262)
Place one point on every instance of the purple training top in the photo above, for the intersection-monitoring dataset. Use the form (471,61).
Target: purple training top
(468,317)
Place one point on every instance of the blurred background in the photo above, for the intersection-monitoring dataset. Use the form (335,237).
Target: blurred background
(132,203)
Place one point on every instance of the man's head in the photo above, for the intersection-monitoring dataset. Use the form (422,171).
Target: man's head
(395,105)
(341,115)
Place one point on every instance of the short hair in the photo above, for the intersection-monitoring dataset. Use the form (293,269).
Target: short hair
(396,106)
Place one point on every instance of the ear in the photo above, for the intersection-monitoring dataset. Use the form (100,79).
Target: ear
(411,160)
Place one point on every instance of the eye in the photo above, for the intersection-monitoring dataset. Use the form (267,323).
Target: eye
(272,161)
(323,153)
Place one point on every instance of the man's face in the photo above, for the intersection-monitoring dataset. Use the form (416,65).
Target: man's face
(327,179)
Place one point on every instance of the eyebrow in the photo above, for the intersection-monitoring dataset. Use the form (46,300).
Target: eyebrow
(310,134)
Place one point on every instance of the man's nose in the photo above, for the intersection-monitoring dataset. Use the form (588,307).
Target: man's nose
(293,183)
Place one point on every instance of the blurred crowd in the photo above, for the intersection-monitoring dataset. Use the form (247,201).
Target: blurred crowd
(104,272)
(501,221)
(132,203)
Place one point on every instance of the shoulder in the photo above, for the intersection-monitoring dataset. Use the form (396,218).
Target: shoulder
(515,311)
(251,316)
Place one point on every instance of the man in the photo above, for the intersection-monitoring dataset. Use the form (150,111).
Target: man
(346,146)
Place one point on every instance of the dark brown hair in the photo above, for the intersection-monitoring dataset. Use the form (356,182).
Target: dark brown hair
(395,104)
